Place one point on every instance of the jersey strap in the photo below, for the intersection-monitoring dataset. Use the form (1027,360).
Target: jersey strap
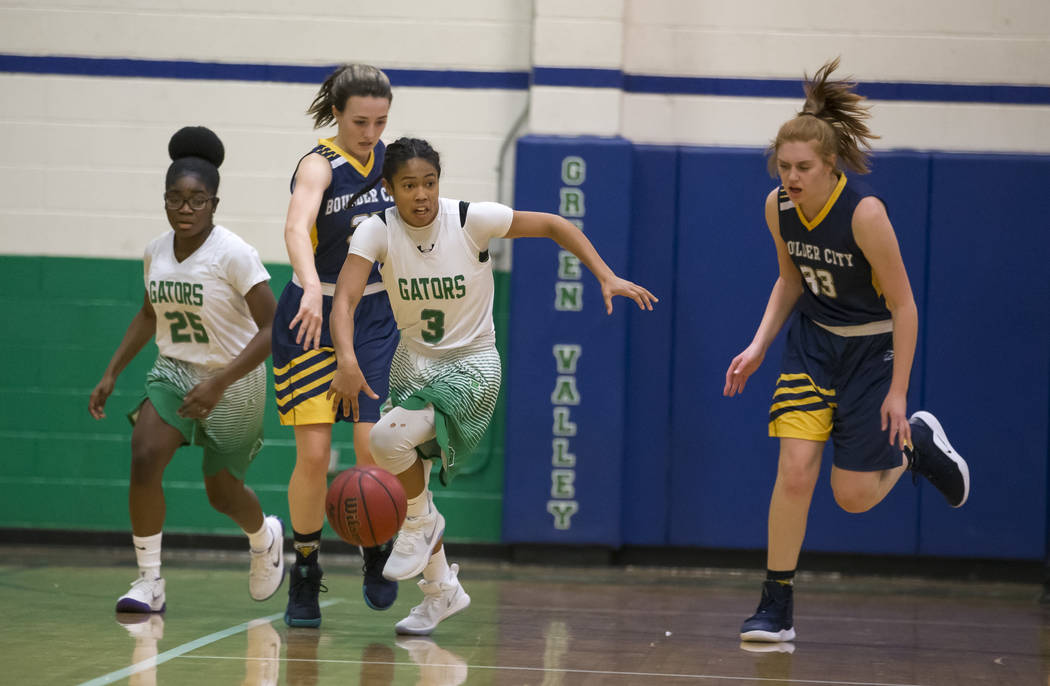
(483,256)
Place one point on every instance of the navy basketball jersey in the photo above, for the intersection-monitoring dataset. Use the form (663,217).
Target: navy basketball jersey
(336,217)
(840,287)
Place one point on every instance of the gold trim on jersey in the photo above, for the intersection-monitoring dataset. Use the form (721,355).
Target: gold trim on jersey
(303,374)
(313,238)
(810,225)
(812,425)
(812,385)
(315,410)
(362,169)
(870,329)
(303,358)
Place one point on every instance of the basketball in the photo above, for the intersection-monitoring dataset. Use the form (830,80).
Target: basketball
(366,505)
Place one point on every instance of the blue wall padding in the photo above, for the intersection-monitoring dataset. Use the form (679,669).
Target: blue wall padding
(680,464)
(987,362)
(722,462)
(536,327)
(647,450)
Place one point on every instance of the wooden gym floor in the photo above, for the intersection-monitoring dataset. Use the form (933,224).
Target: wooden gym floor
(544,626)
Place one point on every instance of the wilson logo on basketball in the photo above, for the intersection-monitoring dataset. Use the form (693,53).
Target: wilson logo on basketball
(366,506)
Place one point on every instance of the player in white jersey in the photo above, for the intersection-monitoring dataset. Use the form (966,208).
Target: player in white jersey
(446,373)
(208,303)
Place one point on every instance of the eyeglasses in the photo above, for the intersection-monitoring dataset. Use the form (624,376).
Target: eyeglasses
(197,201)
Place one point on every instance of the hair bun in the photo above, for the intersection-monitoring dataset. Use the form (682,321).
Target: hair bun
(197,141)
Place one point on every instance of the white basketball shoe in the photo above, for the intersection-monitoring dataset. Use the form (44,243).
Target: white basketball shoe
(441,600)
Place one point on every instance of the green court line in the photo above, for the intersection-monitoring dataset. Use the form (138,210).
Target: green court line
(183,649)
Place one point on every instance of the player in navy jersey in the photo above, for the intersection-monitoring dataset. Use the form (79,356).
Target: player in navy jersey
(849,351)
(335,187)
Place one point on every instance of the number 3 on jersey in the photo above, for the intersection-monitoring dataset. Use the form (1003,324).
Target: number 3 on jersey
(819,281)
(434,330)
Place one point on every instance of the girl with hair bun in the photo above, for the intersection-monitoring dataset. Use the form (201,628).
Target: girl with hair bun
(847,362)
(208,303)
(335,187)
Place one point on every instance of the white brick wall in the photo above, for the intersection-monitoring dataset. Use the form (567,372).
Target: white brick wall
(957,41)
(83,166)
(81,171)
(459,34)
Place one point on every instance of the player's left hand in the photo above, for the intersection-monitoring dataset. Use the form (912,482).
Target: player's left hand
(617,286)
(894,414)
(347,383)
(201,399)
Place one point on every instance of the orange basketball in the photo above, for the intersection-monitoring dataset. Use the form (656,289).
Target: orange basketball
(366,505)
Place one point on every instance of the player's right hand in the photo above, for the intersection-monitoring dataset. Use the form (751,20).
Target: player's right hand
(97,402)
(740,369)
(309,320)
(347,383)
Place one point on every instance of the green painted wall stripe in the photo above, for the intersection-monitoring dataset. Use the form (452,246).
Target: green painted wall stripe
(65,470)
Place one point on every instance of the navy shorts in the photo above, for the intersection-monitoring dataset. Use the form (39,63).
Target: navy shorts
(833,386)
(302,377)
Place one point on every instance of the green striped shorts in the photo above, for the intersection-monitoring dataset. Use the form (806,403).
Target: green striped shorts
(231,434)
(462,386)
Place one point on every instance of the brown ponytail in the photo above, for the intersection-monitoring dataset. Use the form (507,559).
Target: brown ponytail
(343,83)
(833,116)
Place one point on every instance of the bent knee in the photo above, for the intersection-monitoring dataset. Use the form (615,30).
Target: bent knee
(220,502)
(391,448)
(855,500)
(147,462)
(797,481)
(220,495)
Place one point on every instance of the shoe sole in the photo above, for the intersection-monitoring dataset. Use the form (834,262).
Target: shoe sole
(280,568)
(941,441)
(766,647)
(462,604)
(302,623)
(769,636)
(372,605)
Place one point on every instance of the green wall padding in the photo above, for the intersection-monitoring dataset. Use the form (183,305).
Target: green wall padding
(63,470)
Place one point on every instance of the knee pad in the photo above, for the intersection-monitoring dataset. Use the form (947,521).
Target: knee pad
(391,449)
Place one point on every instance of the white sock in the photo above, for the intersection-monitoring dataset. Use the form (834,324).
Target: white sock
(437,568)
(147,553)
(261,539)
(418,506)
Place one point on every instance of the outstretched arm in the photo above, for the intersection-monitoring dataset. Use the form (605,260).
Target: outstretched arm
(564,233)
(139,332)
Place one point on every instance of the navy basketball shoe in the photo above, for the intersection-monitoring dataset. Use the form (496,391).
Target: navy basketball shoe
(772,621)
(380,592)
(304,585)
(933,457)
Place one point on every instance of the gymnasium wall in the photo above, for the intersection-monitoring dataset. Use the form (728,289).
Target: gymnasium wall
(642,449)
(92,92)
(676,98)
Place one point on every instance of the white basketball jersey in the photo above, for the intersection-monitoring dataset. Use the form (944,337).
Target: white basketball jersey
(202,316)
(439,277)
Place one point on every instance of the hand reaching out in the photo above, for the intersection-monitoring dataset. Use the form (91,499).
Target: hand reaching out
(617,286)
